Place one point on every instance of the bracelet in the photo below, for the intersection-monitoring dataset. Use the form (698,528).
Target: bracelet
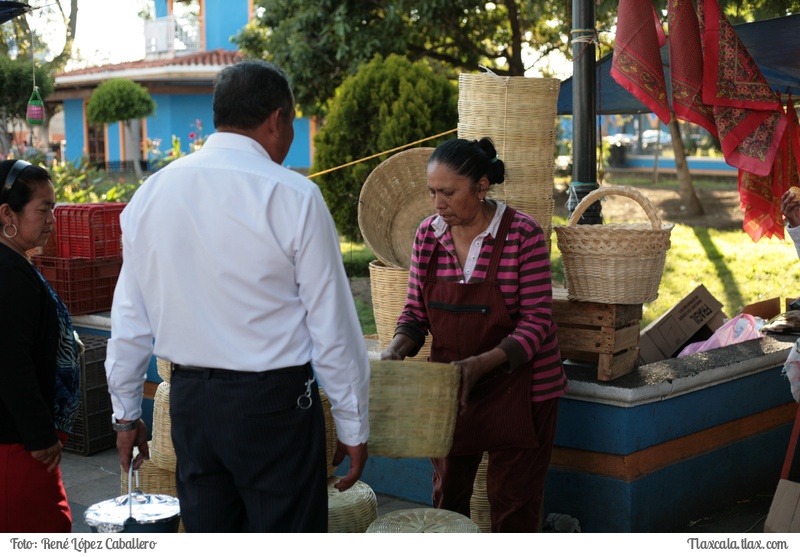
(130,426)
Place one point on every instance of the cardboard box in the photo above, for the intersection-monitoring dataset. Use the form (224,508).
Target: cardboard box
(693,319)
(765,309)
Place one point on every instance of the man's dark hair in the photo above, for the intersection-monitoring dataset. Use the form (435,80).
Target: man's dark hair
(246,93)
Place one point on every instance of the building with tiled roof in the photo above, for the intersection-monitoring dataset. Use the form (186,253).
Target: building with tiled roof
(184,51)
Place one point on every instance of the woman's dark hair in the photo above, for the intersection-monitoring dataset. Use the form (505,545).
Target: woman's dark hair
(22,189)
(246,93)
(471,158)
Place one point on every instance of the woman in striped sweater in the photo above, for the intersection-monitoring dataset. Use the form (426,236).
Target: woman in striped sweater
(480,284)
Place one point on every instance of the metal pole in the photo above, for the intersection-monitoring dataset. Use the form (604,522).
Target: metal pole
(584,118)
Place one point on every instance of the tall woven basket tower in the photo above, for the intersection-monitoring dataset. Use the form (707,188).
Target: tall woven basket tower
(519,115)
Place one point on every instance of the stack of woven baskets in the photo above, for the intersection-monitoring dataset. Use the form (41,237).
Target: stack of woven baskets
(519,115)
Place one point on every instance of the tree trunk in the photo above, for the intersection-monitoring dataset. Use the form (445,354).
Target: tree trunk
(685,188)
(137,163)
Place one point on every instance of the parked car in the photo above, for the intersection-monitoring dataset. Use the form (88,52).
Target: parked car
(651,137)
(621,139)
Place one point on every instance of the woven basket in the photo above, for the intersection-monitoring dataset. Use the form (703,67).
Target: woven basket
(162,452)
(351,511)
(425,521)
(412,408)
(614,263)
(164,368)
(389,287)
(393,201)
(330,433)
(519,115)
(479,509)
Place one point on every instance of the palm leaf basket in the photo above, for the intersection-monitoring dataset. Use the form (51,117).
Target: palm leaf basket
(412,408)
(614,263)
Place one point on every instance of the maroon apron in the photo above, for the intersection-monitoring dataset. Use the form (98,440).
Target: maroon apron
(467,320)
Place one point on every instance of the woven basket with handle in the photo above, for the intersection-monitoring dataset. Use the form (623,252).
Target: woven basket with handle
(614,263)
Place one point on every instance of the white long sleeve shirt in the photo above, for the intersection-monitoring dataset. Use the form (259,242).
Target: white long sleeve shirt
(794,234)
(232,261)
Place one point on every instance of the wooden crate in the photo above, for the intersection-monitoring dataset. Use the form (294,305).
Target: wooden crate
(605,334)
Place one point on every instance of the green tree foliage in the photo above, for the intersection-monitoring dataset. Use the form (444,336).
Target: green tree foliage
(321,42)
(119,100)
(390,102)
(16,85)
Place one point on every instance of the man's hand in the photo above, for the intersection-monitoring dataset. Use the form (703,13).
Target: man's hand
(51,456)
(790,207)
(358,459)
(125,443)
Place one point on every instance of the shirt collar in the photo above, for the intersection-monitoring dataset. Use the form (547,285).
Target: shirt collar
(237,141)
(440,227)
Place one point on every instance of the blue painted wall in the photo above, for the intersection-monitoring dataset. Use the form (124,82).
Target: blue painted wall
(228,17)
(73,129)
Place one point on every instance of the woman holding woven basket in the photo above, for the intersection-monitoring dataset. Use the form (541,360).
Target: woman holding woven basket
(40,365)
(480,284)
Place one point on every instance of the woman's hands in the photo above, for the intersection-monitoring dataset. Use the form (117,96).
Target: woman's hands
(400,347)
(51,456)
(475,367)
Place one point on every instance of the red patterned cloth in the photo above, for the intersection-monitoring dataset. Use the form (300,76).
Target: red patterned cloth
(747,113)
(686,66)
(637,65)
(760,196)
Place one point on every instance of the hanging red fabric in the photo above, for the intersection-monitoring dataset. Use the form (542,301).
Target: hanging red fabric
(637,64)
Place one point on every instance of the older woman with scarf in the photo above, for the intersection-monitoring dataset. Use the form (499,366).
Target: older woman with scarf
(39,361)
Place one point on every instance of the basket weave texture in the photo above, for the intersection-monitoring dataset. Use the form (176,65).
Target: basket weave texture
(330,432)
(479,508)
(426,521)
(412,408)
(164,368)
(351,511)
(393,201)
(614,263)
(389,287)
(162,452)
(519,115)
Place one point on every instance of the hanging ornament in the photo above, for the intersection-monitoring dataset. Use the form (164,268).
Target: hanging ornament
(35,113)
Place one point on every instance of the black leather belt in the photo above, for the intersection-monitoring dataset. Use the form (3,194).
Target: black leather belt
(209,371)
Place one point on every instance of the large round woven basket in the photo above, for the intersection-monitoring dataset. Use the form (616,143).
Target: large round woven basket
(330,432)
(519,115)
(412,408)
(393,201)
(162,452)
(614,263)
(389,286)
(351,511)
(422,521)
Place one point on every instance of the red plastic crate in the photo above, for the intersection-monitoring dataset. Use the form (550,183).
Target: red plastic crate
(85,286)
(88,230)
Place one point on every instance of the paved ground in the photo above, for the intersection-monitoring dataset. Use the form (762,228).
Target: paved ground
(95,478)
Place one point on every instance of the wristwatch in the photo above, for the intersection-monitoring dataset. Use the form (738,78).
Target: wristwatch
(130,426)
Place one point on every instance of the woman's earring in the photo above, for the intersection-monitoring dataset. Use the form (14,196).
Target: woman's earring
(6,234)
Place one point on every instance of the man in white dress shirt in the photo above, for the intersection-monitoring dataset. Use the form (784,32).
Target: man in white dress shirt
(232,271)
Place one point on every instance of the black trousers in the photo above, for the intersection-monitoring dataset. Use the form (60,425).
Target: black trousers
(249,459)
